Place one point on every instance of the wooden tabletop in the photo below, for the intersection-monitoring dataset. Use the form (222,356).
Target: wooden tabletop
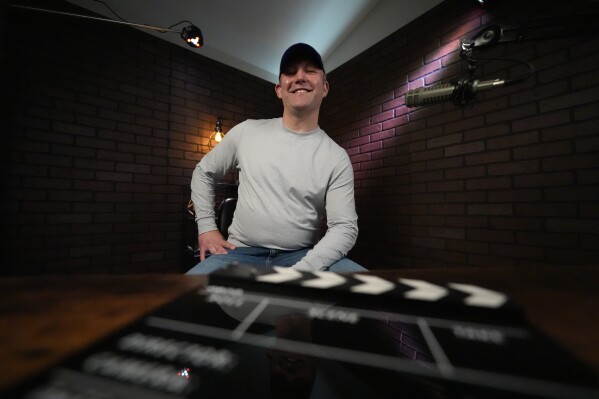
(45,319)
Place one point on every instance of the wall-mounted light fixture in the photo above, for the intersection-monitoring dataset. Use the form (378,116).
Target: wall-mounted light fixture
(218,134)
(191,34)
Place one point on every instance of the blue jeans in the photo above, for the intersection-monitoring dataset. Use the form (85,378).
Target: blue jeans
(256,256)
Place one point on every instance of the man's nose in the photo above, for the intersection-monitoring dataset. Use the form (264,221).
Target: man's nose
(300,75)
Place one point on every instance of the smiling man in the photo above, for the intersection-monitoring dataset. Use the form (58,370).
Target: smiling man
(291,176)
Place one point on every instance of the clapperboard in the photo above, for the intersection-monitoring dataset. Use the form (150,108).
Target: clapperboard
(278,332)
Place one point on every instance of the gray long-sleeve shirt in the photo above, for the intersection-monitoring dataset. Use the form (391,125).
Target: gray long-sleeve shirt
(287,182)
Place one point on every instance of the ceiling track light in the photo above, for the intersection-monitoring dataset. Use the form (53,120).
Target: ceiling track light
(191,34)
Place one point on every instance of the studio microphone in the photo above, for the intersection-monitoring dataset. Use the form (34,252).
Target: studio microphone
(460,93)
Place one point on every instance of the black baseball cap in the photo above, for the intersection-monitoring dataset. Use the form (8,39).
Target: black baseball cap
(297,53)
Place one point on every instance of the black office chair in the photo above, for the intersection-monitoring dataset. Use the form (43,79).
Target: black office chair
(225,215)
(224,218)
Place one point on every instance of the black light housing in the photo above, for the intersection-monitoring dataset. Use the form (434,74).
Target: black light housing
(193,36)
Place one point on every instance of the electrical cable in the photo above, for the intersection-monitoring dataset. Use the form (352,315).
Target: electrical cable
(111,10)
(124,20)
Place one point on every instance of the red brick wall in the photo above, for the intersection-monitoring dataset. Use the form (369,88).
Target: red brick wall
(512,180)
(105,126)
(96,164)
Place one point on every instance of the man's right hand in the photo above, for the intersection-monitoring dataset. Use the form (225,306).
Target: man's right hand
(213,242)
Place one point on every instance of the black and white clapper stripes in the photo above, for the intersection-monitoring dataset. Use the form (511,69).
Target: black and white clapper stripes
(365,284)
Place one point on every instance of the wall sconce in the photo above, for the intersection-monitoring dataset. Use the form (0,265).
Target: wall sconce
(191,34)
(217,135)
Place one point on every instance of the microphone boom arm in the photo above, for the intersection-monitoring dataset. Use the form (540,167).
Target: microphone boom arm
(538,29)
(463,90)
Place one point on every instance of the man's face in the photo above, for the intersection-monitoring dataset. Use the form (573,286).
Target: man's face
(302,87)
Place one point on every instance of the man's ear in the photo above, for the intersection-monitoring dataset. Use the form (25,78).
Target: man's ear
(278,89)
(326,88)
